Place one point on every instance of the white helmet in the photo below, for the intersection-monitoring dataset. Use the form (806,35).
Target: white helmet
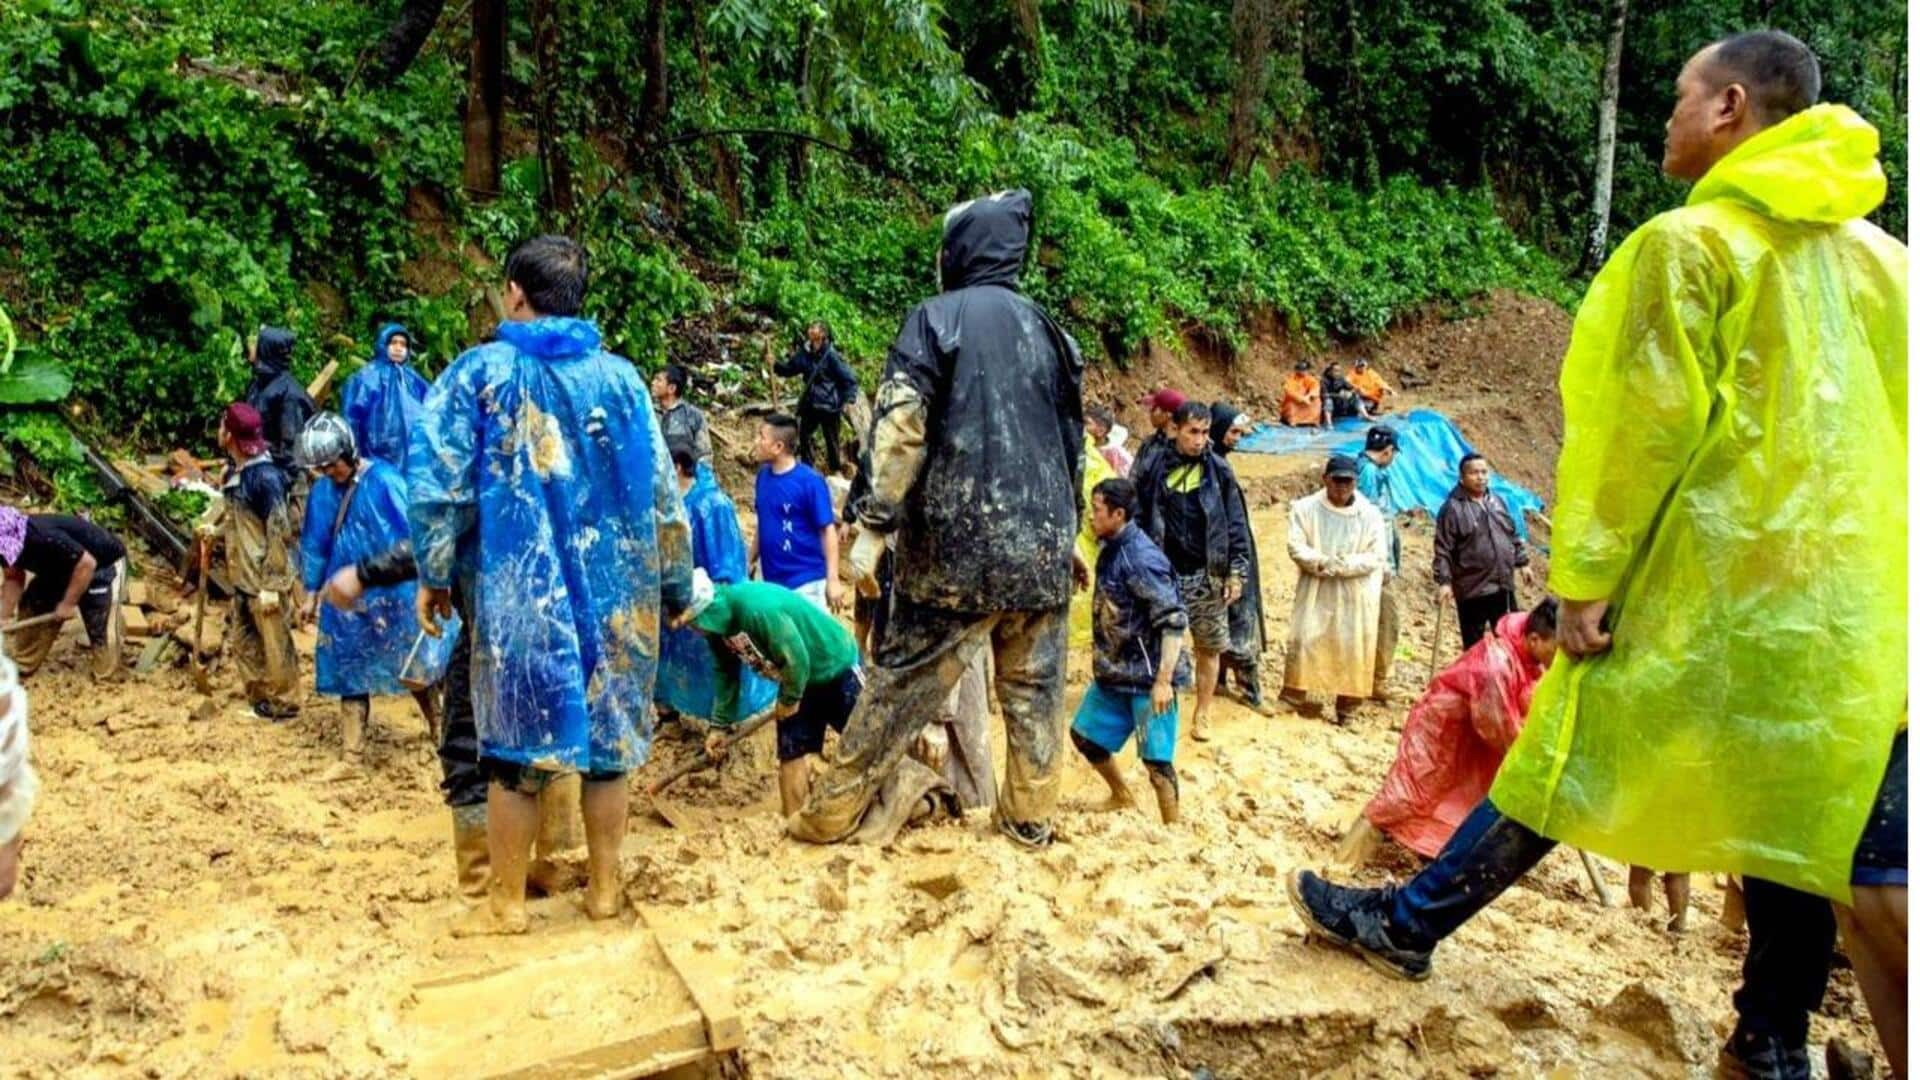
(325,440)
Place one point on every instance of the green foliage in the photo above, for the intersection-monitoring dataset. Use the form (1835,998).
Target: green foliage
(182,506)
(43,438)
(34,379)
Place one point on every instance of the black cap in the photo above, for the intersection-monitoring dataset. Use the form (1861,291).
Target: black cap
(1381,437)
(1342,465)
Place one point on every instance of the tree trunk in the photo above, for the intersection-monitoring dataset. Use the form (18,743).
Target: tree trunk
(726,171)
(403,40)
(1596,251)
(653,95)
(803,85)
(556,171)
(486,91)
(1252,43)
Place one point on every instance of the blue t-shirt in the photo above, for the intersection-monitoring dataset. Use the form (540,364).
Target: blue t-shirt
(792,508)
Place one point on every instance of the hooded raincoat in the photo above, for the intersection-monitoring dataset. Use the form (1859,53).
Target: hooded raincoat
(1247,618)
(363,651)
(278,397)
(691,669)
(382,400)
(1080,608)
(538,475)
(1455,738)
(1342,555)
(1734,482)
(991,523)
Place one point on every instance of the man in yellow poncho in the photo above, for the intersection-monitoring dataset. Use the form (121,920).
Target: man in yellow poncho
(1730,547)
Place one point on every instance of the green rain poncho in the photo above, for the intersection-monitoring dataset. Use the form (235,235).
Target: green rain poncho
(1734,481)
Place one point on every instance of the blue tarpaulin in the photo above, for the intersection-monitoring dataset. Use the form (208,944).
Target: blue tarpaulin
(1425,470)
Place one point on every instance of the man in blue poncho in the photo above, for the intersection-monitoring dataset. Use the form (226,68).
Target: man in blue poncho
(541,490)
(691,669)
(358,509)
(382,400)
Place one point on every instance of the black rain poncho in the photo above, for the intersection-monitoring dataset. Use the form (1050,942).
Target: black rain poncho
(281,401)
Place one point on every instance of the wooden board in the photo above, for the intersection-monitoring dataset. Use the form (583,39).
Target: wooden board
(724,1029)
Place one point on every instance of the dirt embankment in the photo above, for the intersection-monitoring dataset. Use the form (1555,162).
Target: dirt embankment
(197,901)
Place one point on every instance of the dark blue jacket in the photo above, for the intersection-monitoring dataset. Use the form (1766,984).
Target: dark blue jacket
(830,384)
(1135,602)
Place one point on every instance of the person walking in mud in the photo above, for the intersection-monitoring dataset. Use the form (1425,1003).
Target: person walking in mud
(985,553)
(1139,655)
(1191,505)
(539,479)
(1730,550)
(1375,484)
(252,522)
(827,388)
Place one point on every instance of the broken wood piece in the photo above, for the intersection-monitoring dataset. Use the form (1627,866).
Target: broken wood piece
(135,622)
(725,1032)
(317,389)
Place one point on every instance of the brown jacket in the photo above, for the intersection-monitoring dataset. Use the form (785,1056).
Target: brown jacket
(1475,545)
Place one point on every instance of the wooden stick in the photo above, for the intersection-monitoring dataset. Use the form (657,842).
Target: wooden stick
(1439,631)
(317,389)
(22,624)
(1599,883)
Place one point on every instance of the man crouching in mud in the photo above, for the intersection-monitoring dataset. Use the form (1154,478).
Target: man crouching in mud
(976,470)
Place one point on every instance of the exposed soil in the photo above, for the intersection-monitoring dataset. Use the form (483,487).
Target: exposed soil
(197,901)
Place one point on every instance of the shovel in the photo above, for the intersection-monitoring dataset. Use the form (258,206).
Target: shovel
(202,681)
(665,810)
(35,620)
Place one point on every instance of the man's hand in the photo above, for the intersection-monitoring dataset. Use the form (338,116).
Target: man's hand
(1443,594)
(1082,577)
(1162,696)
(64,610)
(434,606)
(836,594)
(1234,586)
(1581,631)
(864,560)
(344,588)
(716,745)
(1526,576)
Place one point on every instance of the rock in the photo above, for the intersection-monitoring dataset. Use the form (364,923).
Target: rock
(830,895)
(1673,1031)
(204,711)
(304,1029)
(939,886)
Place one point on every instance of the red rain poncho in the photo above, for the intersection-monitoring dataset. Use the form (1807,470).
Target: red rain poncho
(1455,739)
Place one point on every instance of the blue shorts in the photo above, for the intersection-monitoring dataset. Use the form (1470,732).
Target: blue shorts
(1108,718)
(1881,856)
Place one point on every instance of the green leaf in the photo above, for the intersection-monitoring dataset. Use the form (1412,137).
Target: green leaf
(34,379)
(7,342)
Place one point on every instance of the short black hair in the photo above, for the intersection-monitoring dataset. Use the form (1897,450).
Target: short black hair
(681,451)
(552,271)
(1101,415)
(676,377)
(1191,411)
(1781,75)
(1118,493)
(786,430)
(1544,619)
(1471,457)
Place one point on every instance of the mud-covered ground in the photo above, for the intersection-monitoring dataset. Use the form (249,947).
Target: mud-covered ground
(197,901)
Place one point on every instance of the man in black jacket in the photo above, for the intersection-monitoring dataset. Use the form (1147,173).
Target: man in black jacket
(1191,505)
(827,388)
(1476,550)
(284,409)
(976,457)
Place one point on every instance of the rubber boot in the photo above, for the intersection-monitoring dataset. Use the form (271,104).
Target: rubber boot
(561,829)
(353,741)
(470,852)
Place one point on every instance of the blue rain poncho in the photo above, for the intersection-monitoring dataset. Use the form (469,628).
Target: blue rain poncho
(362,651)
(537,474)
(382,401)
(689,663)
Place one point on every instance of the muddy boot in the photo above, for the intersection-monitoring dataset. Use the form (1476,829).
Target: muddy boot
(1202,727)
(561,830)
(470,852)
(353,741)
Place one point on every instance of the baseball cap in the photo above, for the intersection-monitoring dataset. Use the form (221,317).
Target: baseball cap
(1166,399)
(242,421)
(1342,465)
(1381,437)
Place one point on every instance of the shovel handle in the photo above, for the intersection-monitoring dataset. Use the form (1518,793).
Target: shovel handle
(701,761)
(22,624)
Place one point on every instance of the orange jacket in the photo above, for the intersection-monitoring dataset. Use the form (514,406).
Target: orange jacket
(1300,400)
(1369,383)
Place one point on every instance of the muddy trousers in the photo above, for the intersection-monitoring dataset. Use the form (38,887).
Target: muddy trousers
(926,652)
(263,654)
(99,611)
(461,781)
(1388,639)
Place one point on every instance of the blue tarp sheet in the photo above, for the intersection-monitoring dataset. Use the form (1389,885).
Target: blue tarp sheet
(1425,470)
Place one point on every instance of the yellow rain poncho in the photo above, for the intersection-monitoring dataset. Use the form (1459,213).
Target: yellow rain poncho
(1080,608)
(1734,481)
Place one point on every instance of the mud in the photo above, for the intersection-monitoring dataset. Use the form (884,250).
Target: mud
(198,902)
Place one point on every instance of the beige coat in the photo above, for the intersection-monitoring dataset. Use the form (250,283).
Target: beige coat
(1342,556)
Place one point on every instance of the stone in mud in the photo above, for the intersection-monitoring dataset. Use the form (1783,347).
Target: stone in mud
(1043,980)
(1671,1029)
(939,886)
(303,1028)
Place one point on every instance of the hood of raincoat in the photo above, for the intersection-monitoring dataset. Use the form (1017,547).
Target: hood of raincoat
(1512,629)
(386,334)
(1819,165)
(717,616)
(273,351)
(985,241)
(1224,414)
(551,337)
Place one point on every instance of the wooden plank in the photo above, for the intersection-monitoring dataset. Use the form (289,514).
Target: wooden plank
(680,1042)
(725,1031)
